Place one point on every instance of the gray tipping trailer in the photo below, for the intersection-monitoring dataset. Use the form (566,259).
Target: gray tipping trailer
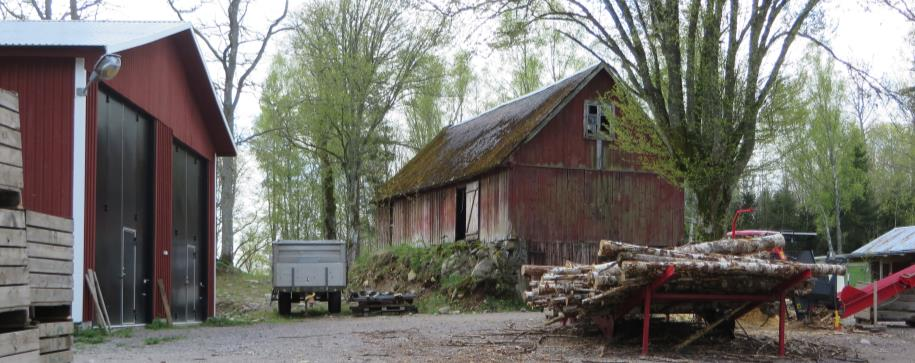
(303,268)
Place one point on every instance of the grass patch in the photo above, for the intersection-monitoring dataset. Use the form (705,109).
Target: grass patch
(158,324)
(504,304)
(221,321)
(90,336)
(96,335)
(431,302)
(160,340)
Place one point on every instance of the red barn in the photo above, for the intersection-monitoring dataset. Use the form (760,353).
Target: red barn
(130,160)
(539,169)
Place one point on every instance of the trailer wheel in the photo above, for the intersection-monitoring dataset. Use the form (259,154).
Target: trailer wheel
(334,300)
(285,303)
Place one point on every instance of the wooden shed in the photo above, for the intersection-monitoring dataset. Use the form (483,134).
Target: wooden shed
(130,160)
(885,255)
(541,170)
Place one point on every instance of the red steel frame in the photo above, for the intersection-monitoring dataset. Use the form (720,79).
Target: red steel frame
(856,299)
(649,296)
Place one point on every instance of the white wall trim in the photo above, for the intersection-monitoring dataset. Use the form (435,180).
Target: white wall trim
(79,188)
(212,202)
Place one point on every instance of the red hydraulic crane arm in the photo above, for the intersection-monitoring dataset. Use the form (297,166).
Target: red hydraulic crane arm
(854,299)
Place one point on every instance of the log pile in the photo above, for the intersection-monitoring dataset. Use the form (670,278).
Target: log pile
(729,266)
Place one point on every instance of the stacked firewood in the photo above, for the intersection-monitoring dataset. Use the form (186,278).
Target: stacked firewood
(729,266)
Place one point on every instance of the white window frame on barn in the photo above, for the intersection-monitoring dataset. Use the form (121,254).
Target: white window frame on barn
(597,126)
(596,115)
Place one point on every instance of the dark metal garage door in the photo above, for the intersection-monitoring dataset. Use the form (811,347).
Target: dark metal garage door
(124,210)
(189,190)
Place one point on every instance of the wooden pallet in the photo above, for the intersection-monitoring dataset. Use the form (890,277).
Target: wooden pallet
(50,250)
(56,341)
(19,346)
(14,276)
(11,180)
(383,309)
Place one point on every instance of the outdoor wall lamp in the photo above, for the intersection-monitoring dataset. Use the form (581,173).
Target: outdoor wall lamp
(106,68)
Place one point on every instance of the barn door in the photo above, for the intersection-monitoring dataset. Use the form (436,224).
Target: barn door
(472,210)
(123,210)
(189,241)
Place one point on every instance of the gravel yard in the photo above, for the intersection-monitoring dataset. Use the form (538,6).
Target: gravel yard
(469,337)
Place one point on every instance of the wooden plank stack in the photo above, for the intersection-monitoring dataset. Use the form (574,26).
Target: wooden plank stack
(729,266)
(18,340)
(56,341)
(50,250)
(19,346)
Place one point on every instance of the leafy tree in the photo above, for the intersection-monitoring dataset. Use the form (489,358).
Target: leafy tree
(817,157)
(424,112)
(893,174)
(458,90)
(358,61)
(538,53)
(288,175)
(860,218)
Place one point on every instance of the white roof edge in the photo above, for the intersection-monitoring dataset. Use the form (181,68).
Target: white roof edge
(206,72)
(152,37)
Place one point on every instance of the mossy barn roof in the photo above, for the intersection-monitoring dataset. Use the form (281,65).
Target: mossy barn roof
(466,150)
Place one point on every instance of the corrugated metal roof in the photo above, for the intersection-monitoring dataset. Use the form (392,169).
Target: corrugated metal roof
(900,240)
(480,144)
(114,36)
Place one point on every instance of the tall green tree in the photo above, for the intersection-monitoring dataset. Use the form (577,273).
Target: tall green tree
(359,60)
(538,53)
(289,175)
(819,151)
(424,111)
(699,71)
(893,174)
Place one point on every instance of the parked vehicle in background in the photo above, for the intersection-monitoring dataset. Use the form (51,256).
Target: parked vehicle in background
(308,271)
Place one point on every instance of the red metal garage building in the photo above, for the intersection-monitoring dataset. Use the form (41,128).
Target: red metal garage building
(539,169)
(131,160)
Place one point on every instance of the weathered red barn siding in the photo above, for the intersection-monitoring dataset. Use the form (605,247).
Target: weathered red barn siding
(424,217)
(162,225)
(429,216)
(563,213)
(46,91)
